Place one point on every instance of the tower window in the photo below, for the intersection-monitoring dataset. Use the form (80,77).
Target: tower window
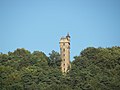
(63,43)
(63,50)
(63,54)
(68,47)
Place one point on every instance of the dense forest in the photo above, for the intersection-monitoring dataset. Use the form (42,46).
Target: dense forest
(93,69)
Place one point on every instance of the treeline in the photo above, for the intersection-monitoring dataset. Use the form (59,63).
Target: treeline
(93,69)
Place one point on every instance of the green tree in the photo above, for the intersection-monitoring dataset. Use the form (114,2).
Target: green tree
(54,59)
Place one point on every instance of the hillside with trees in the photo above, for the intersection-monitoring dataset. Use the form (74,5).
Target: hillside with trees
(93,69)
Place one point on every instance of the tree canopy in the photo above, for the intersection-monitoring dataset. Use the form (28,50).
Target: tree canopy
(93,69)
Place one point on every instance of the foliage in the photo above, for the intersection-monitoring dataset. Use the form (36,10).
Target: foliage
(96,69)
(54,59)
(93,69)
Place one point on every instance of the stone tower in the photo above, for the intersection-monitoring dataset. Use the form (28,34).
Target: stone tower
(65,53)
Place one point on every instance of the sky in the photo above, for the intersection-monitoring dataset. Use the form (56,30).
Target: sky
(39,24)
